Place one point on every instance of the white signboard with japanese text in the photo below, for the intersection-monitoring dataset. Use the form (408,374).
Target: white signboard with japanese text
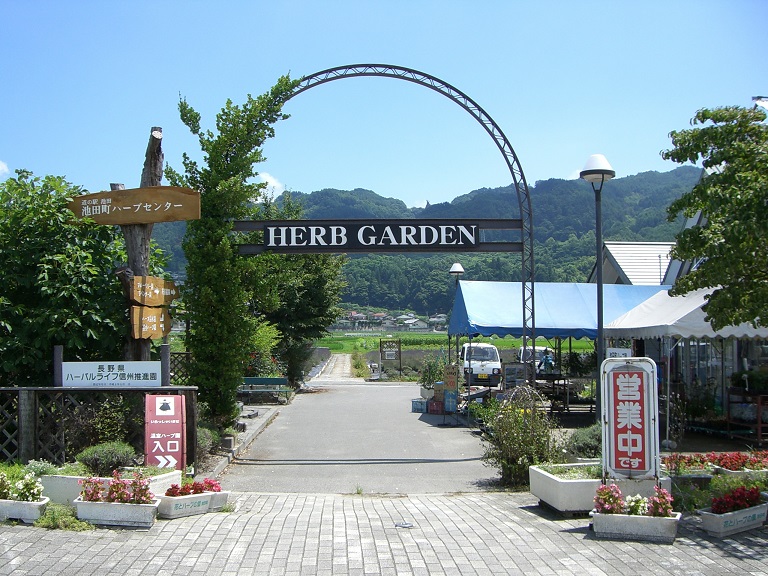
(107,374)
(618,352)
(630,415)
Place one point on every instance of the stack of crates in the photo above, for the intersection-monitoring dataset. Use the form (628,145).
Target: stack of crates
(435,407)
(450,402)
(418,405)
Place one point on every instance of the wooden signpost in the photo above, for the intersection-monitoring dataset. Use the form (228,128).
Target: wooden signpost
(153,291)
(138,205)
(149,322)
(135,211)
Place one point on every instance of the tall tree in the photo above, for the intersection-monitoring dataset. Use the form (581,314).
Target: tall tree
(299,294)
(224,329)
(58,286)
(732,145)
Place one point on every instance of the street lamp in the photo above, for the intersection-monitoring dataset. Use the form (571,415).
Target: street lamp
(596,171)
(456,271)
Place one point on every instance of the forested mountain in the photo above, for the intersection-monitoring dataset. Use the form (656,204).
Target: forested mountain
(634,209)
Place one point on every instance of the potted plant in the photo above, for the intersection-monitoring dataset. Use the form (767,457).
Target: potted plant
(22,500)
(184,500)
(125,502)
(192,498)
(636,517)
(219,497)
(737,510)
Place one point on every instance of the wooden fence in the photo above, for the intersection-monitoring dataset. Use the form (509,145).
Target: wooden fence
(55,424)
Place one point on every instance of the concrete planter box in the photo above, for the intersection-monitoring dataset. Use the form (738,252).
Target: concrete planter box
(117,514)
(65,489)
(218,500)
(578,496)
(27,512)
(733,522)
(179,506)
(630,527)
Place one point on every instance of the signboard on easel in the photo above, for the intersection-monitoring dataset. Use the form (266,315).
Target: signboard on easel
(165,440)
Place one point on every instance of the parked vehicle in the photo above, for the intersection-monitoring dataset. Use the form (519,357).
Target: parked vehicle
(482,364)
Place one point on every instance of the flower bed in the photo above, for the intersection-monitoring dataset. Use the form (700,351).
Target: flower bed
(192,498)
(64,489)
(124,503)
(634,517)
(725,462)
(576,495)
(22,500)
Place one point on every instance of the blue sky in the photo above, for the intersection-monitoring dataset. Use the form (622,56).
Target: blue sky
(83,83)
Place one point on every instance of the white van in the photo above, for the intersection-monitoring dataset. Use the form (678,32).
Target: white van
(482,364)
(537,358)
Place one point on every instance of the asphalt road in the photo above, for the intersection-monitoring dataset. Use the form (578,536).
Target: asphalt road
(350,436)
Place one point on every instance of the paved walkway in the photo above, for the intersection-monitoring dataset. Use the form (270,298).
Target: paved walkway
(306,534)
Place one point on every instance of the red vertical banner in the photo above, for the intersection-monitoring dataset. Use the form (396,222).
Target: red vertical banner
(165,439)
(630,417)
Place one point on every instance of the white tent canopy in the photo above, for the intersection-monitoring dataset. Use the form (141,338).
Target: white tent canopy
(677,316)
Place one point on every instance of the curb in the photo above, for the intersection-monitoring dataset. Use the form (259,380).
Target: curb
(245,439)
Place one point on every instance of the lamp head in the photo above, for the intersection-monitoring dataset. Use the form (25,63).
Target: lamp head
(457,270)
(597,169)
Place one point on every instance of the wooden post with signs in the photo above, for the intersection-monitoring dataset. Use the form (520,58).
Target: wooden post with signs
(137,236)
(135,211)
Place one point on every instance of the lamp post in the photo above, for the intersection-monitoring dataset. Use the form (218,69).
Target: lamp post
(596,171)
(456,271)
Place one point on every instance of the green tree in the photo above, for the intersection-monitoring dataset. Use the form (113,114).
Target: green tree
(299,294)
(732,145)
(58,286)
(225,331)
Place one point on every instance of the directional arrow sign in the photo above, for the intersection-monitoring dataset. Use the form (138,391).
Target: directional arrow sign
(165,461)
(153,291)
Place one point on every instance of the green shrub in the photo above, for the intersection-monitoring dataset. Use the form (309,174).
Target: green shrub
(522,435)
(61,517)
(102,459)
(41,467)
(586,442)
(207,440)
(432,370)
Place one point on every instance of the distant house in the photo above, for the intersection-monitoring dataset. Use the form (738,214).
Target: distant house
(415,324)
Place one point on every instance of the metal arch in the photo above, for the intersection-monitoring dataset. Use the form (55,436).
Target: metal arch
(490,126)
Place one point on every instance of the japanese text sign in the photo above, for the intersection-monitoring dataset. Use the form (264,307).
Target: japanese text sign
(629,417)
(118,373)
(165,440)
(149,322)
(153,291)
(138,205)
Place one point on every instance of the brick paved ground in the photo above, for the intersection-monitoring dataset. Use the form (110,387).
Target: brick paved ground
(306,534)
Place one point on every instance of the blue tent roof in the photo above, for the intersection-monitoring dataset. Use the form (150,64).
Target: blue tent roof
(561,309)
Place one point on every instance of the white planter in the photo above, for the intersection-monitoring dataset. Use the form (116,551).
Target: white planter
(733,522)
(180,506)
(25,511)
(427,393)
(117,514)
(218,500)
(64,489)
(578,496)
(631,527)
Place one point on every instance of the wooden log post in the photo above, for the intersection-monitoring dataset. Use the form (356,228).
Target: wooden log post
(137,236)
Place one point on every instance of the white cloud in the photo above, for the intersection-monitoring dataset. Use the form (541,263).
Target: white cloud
(274,186)
(3,168)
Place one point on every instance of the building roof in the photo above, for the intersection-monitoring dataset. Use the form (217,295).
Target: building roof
(637,263)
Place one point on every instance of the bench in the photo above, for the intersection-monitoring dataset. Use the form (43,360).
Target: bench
(263,385)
